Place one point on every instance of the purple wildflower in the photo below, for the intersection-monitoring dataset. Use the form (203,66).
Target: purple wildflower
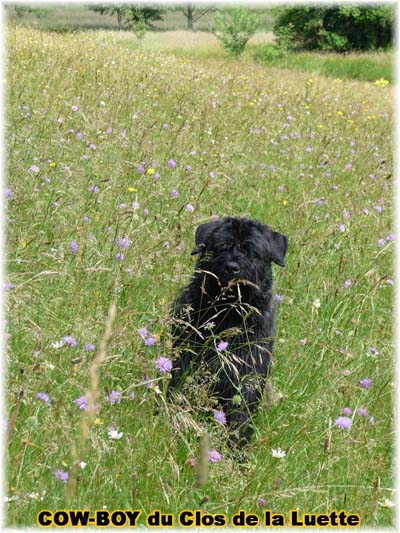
(79,136)
(373,351)
(261,502)
(94,189)
(9,193)
(189,208)
(362,411)
(145,212)
(135,205)
(378,208)
(381,242)
(81,402)
(90,347)
(43,397)
(141,169)
(347,411)
(347,283)
(61,475)
(390,282)
(342,228)
(222,346)
(73,247)
(279,298)
(122,206)
(74,108)
(123,242)
(171,163)
(165,126)
(343,422)
(365,383)
(119,256)
(174,193)
(114,397)
(391,237)
(163,364)
(34,169)
(71,341)
(214,456)
(219,416)
(8,286)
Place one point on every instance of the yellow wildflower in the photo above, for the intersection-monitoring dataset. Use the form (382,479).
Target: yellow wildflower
(150,171)
(132,189)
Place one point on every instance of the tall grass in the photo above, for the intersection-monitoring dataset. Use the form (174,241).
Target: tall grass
(96,215)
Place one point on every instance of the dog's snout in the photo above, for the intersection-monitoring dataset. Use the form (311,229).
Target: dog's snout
(232,268)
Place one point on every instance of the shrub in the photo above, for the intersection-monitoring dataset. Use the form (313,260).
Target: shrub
(234,27)
(338,29)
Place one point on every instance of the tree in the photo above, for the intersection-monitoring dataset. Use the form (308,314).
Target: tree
(136,15)
(340,28)
(234,27)
(193,14)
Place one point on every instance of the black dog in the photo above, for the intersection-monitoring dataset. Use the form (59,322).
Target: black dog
(224,319)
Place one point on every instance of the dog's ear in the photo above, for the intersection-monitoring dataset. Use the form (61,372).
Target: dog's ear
(203,233)
(278,245)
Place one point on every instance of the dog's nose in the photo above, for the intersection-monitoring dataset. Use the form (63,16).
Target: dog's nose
(232,268)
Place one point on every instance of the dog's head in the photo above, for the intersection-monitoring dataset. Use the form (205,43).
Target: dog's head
(238,249)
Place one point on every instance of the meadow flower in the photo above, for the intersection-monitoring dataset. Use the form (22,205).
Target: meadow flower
(74,108)
(343,422)
(222,346)
(61,475)
(373,351)
(42,396)
(119,256)
(362,411)
(34,169)
(73,246)
(145,212)
(381,242)
(347,411)
(141,169)
(79,136)
(212,174)
(342,228)
(123,242)
(57,344)
(135,205)
(316,303)
(92,146)
(122,206)
(171,163)
(82,464)
(94,189)
(347,283)
(278,453)
(214,456)
(8,286)
(365,383)
(114,397)
(391,237)
(150,171)
(165,126)
(390,282)
(81,402)
(90,347)
(114,434)
(189,208)
(132,395)
(71,341)
(163,364)
(279,298)
(381,82)
(9,193)
(174,193)
(378,208)
(219,416)
(387,503)
(261,502)
(191,461)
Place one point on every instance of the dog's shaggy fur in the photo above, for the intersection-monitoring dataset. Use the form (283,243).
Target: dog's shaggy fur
(229,300)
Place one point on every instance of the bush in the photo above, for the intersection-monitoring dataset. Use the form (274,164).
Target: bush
(234,27)
(338,29)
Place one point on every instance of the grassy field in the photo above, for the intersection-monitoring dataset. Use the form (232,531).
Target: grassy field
(96,215)
(366,66)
